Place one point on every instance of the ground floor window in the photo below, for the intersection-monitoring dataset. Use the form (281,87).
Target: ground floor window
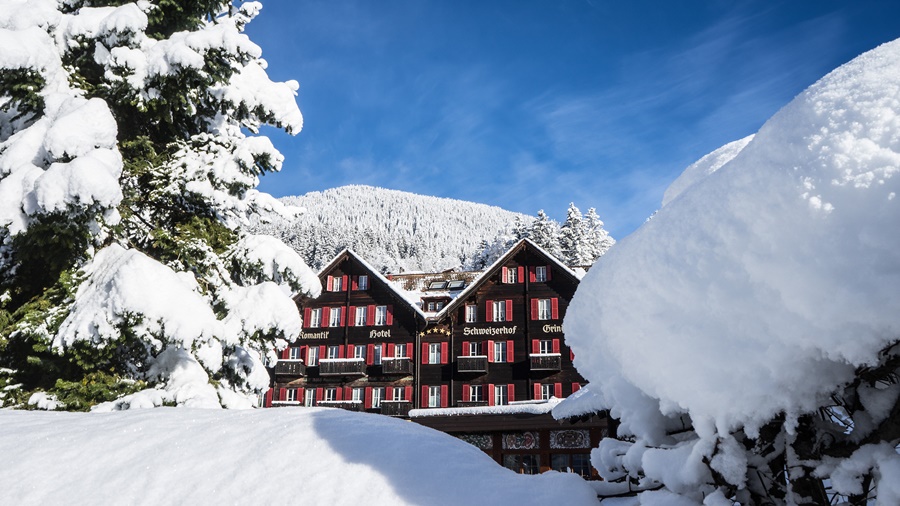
(310,398)
(377,396)
(578,463)
(528,463)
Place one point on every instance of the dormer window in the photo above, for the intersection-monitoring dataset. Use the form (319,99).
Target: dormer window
(437,285)
(457,284)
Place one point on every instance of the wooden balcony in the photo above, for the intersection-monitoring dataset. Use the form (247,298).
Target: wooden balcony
(290,368)
(396,365)
(395,408)
(342,367)
(474,363)
(546,361)
(348,405)
(471,404)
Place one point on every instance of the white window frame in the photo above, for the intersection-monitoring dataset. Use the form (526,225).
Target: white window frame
(294,353)
(471,313)
(334,319)
(380,316)
(359,351)
(545,346)
(357,394)
(439,305)
(399,394)
(330,394)
(312,356)
(547,391)
(499,310)
(376,359)
(475,349)
(545,309)
(431,307)
(476,393)
(501,395)
(336,283)
(400,350)
(291,395)
(512,276)
(434,397)
(362,283)
(499,351)
(434,353)
(359,319)
(315,317)
(333,352)
(377,396)
(309,399)
(540,274)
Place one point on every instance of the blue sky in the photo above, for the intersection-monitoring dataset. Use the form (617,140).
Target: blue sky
(531,105)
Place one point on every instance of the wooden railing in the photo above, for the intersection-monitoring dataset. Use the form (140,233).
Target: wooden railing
(474,363)
(546,361)
(471,404)
(342,367)
(395,408)
(396,365)
(290,367)
(348,405)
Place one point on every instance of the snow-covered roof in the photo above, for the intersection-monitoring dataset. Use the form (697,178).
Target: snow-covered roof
(513,408)
(583,402)
(417,286)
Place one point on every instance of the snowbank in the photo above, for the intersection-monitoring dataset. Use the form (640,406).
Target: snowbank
(274,456)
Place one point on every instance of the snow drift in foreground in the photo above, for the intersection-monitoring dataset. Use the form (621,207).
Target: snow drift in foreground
(276,456)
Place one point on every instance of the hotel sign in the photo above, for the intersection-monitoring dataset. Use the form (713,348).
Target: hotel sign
(314,335)
(492,331)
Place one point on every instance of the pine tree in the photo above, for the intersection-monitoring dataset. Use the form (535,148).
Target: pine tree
(545,233)
(573,242)
(125,176)
(598,239)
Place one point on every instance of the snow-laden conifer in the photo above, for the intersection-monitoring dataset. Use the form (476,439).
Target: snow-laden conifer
(125,174)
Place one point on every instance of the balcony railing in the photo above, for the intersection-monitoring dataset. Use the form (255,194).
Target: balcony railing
(395,408)
(472,363)
(546,361)
(348,405)
(342,367)
(396,365)
(290,367)
(471,404)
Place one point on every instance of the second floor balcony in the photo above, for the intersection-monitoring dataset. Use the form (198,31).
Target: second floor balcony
(396,365)
(290,368)
(395,408)
(342,367)
(472,363)
(546,361)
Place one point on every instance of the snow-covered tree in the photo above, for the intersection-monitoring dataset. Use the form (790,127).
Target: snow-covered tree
(598,239)
(545,233)
(125,174)
(754,355)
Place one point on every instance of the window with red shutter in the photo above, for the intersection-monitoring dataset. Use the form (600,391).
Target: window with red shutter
(537,392)
(535,346)
(576,387)
(370,354)
(490,394)
(510,351)
(554,308)
(532,277)
(465,349)
(368,401)
(326,316)
(490,351)
(343,315)
(306,317)
(444,399)
(444,353)
(509,309)
(320,394)
(282,394)
(330,284)
(466,388)
(409,350)
(354,283)
(286,353)
(390,315)
(534,309)
(556,346)
(424,353)
(504,272)
(408,391)
(510,393)
(521,274)
(557,390)
(344,282)
(489,311)
(370,315)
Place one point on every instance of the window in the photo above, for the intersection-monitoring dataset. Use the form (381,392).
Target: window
(309,399)
(363,283)
(500,398)
(499,310)
(474,349)
(511,275)
(475,393)
(359,319)
(500,351)
(400,351)
(540,273)
(546,391)
(330,394)
(437,285)
(471,313)
(377,396)
(434,397)
(312,356)
(335,319)
(578,463)
(376,354)
(543,309)
(439,306)
(336,283)
(334,352)
(359,351)
(431,307)
(315,317)
(399,394)
(546,346)
(381,315)
(457,284)
(291,395)
(523,464)
(434,353)
(295,353)
(357,394)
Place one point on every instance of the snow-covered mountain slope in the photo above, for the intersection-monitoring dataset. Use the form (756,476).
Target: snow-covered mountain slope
(395,231)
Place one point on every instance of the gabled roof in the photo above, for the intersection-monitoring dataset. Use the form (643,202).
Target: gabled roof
(494,267)
(393,288)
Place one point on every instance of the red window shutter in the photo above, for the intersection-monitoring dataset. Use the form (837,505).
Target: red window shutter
(320,394)
(554,308)
(389,350)
(444,396)
(408,391)
(388,393)
(306,317)
(571,355)
(352,313)
(490,351)
(330,283)
(465,349)
(535,346)
(576,387)
(520,277)
(286,353)
(268,401)
(509,315)
(489,311)
(465,392)
(339,395)
(390,315)
(537,391)
(556,346)
(557,390)
(510,351)
(423,401)
(532,276)
(370,315)
(282,394)
(322,352)
(535,309)
(341,352)
(444,353)
(368,401)
(409,350)
(344,282)
(326,316)
(348,393)
(343,315)
(370,354)
(300,395)
(303,352)
(424,353)
(350,351)
(510,393)
(549,273)
(354,283)
(503,272)
(490,394)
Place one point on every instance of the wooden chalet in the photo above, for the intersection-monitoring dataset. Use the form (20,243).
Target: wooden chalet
(478,355)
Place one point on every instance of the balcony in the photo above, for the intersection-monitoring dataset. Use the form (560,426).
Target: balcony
(348,405)
(396,365)
(546,361)
(472,363)
(395,408)
(290,368)
(342,367)
(471,404)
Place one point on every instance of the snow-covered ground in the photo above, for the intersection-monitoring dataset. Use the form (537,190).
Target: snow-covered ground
(310,456)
